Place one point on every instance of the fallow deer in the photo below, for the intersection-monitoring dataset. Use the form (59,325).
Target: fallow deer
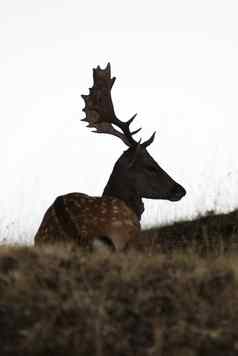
(112,220)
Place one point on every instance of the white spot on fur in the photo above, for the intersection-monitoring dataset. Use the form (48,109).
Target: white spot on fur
(117,223)
(115,209)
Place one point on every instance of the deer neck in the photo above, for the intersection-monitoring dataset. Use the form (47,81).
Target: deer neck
(119,187)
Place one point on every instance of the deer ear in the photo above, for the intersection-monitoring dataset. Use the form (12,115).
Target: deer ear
(136,151)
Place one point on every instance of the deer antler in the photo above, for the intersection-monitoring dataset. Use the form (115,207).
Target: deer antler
(100,112)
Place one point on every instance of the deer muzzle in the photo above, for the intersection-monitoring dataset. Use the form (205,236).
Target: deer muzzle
(177,192)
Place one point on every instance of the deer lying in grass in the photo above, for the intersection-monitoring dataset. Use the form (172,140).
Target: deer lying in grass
(113,220)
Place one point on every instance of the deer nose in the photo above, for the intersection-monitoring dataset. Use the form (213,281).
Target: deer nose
(177,192)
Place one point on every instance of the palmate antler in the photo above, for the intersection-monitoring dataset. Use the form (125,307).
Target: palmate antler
(100,112)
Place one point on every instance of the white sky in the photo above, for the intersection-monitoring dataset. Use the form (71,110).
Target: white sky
(176,64)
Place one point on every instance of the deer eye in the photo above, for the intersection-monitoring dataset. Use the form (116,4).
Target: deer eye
(152,169)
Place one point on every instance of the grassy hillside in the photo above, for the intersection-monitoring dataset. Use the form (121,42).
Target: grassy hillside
(214,234)
(174,293)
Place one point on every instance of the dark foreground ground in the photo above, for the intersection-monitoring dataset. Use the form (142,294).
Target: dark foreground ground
(175,293)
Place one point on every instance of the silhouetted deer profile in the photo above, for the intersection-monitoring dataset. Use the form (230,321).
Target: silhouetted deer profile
(113,220)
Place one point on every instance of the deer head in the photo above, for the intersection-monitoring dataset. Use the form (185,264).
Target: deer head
(136,174)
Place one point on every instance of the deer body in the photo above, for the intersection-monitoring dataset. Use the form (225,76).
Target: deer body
(113,220)
(89,220)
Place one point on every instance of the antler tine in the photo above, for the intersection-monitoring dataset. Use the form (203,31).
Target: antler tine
(131,119)
(149,141)
(125,127)
(107,128)
(136,131)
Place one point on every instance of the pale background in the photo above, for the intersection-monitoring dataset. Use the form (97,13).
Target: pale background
(176,64)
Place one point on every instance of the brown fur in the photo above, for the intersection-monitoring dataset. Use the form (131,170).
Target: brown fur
(84,219)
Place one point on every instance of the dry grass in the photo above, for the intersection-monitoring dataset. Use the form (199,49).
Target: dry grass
(175,293)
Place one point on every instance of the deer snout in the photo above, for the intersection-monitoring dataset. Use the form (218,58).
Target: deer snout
(177,192)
